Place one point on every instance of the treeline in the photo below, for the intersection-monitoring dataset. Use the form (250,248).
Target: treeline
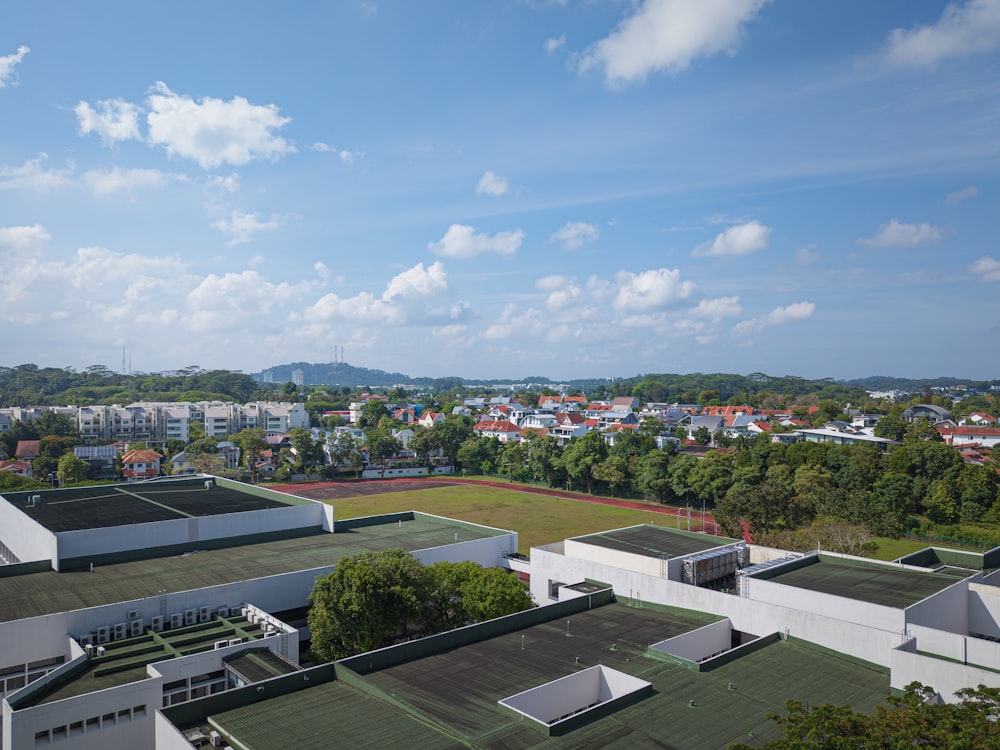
(773,487)
(30,385)
(756,388)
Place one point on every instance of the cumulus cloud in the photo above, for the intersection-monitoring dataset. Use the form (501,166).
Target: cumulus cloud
(667,35)
(987,268)
(115,180)
(894,233)
(574,234)
(737,240)
(723,307)
(417,281)
(461,241)
(962,195)
(789,313)
(964,29)
(224,183)
(491,184)
(112,120)
(214,132)
(554,43)
(7,65)
(777,316)
(33,176)
(649,289)
(346,156)
(242,227)
(216,298)
(23,239)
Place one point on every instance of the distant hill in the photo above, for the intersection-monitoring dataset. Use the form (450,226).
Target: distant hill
(339,373)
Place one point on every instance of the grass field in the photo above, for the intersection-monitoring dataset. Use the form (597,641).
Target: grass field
(537,519)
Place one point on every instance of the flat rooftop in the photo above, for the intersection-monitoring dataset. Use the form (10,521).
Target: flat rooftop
(101,506)
(453,695)
(655,541)
(34,594)
(125,661)
(867,582)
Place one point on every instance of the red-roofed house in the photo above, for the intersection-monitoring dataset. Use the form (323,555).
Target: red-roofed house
(140,464)
(986,437)
(430,418)
(505,432)
(18,467)
(26,450)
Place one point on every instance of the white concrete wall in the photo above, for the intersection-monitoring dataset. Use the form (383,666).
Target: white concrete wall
(168,737)
(26,538)
(945,610)
(488,552)
(76,544)
(20,726)
(984,609)
(849,610)
(944,676)
(33,639)
(957,646)
(700,643)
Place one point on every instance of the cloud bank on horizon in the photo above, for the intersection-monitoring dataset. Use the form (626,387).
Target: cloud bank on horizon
(573,189)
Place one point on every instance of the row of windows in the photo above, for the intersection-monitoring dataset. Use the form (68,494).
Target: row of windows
(93,724)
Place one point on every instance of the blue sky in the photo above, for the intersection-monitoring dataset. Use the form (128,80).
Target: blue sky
(572,189)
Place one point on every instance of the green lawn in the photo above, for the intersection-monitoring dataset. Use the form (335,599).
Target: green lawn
(536,518)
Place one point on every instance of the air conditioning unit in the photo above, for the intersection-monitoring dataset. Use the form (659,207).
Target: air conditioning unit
(176,619)
(221,644)
(156,623)
(101,650)
(135,627)
(270,633)
(103,634)
(223,612)
(89,648)
(190,616)
(86,640)
(120,630)
(215,738)
(204,614)
(235,641)
(133,614)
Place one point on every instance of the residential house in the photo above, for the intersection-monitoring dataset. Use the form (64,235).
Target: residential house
(26,450)
(505,432)
(431,418)
(141,464)
(926,413)
(985,437)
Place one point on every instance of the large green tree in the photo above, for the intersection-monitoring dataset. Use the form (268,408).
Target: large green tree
(907,721)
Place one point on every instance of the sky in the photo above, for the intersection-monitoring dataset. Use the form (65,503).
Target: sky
(569,189)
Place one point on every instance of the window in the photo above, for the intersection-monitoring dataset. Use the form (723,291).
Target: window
(108,720)
(139,712)
(42,738)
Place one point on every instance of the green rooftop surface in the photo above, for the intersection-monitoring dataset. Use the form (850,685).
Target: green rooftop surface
(128,657)
(35,594)
(457,692)
(868,582)
(101,506)
(257,665)
(655,541)
(326,716)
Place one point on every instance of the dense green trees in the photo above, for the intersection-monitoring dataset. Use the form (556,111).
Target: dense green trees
(378,597)
(907,721)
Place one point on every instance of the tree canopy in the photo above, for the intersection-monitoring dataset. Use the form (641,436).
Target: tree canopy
(379,597)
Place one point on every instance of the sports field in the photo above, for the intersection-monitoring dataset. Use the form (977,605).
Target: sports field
(538,519)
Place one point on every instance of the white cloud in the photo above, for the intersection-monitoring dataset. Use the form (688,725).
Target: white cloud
(807,255)
(213,132)
(113,120)
(104,182)
(574,234)
(964,29)
(987,267)
(216,300)
(896,234)
(417,281)
(737,240)
(32,176)
(650,289)
(241,227)
(346,156)
(777,316)
(224,184)
(491,184)
(554,43)
(723,307)
(23,239)
(667,35)
(961,195)
(789,313)
(461,241)
(7,65)
(323,148)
